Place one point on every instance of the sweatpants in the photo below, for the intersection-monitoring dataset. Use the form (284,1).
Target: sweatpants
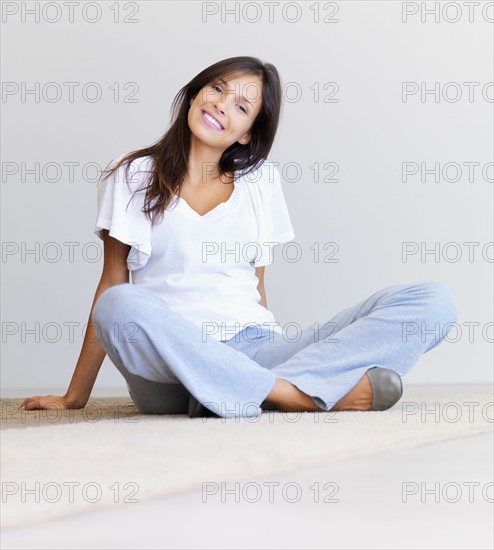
(164,357)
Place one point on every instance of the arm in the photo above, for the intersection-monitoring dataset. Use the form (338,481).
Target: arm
(92,353)
(260,286)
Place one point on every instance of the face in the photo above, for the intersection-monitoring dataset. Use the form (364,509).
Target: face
(234,102)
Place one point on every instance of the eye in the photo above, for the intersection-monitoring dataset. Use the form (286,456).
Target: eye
(216,87)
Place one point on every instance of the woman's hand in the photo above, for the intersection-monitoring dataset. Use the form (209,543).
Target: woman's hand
(49,402)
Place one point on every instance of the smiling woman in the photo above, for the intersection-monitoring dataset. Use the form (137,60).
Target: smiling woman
(243,95)
(220,115)
(196,223)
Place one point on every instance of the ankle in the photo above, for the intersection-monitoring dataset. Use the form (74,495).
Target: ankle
(282,390)
(287,397)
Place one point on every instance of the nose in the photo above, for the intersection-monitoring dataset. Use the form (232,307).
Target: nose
(220,105)
(221,101)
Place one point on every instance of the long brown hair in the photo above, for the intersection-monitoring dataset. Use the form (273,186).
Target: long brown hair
(170,154)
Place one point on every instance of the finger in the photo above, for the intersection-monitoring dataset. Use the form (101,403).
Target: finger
(24,404)
(31,403)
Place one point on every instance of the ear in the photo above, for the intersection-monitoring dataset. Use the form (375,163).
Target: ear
(245,139)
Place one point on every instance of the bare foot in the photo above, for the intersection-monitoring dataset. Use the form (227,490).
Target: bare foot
(359,398)
(288,398)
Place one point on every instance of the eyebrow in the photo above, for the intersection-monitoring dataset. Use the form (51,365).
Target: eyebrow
(226,86)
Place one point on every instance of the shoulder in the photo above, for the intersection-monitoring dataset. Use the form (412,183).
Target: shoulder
(143,163)
(264,178)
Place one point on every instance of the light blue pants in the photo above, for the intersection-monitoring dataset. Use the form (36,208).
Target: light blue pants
(165,357)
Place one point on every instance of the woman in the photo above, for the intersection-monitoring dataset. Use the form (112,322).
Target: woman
(194,217)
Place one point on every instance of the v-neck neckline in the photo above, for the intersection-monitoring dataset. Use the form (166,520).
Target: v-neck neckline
(214,210)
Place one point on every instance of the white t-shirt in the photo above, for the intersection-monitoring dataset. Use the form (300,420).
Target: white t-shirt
(201,266)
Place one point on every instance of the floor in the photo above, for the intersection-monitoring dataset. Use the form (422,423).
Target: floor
(434,496)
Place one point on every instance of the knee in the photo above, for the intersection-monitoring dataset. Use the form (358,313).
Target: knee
(440,303)
(108,300)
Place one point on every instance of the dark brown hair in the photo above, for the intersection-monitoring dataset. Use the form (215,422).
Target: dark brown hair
(170,154)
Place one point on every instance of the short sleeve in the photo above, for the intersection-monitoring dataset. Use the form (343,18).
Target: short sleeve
(274,221)
(125,220)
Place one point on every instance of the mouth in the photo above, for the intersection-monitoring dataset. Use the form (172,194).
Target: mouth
(211,121)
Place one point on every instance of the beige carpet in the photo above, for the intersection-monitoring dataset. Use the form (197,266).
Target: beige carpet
(108,444)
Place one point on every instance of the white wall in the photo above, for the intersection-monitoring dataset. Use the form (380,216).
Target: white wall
(370,212)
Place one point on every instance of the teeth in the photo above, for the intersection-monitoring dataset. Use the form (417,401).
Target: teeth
(211,119)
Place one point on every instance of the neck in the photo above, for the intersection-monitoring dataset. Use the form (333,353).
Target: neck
(203,162)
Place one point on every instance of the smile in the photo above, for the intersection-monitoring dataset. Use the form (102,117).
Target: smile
(211,122)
